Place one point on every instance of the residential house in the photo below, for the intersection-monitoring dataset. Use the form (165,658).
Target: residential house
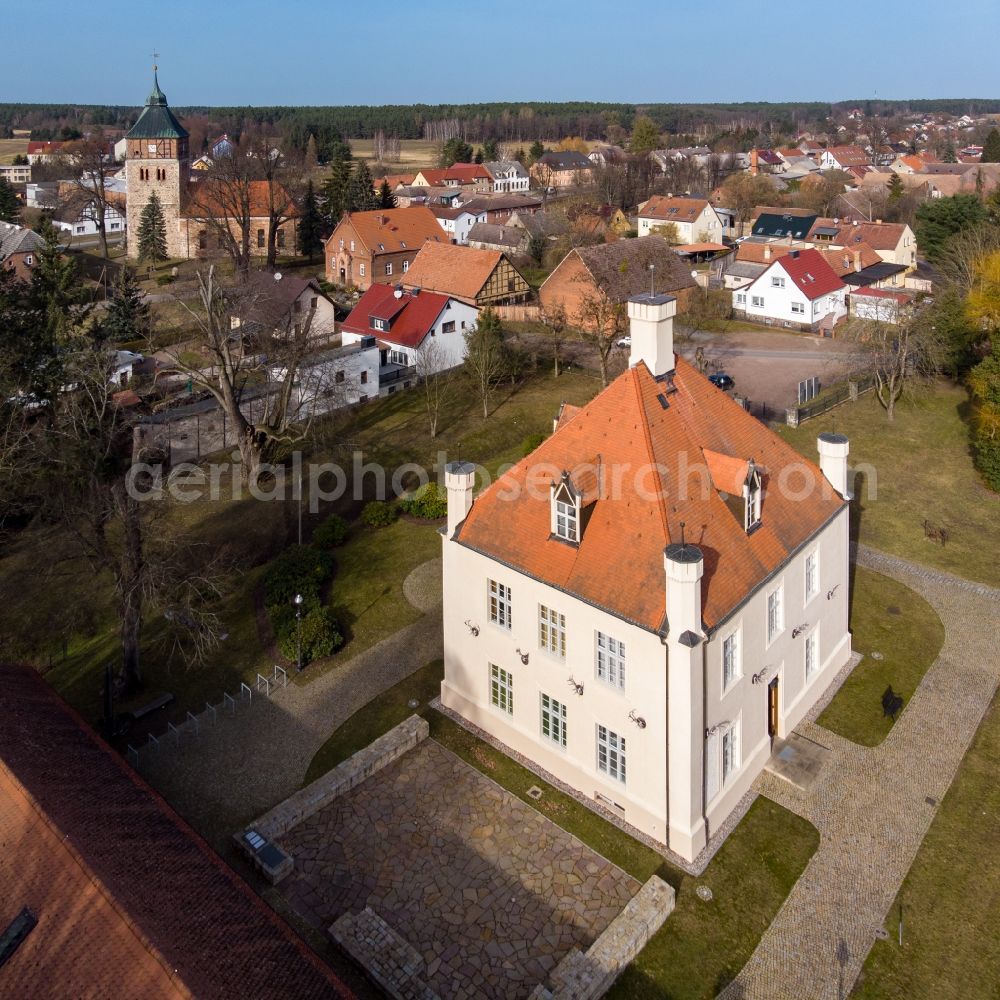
(286,304)
(42,194)
(15,173)
(605,155)
(894,242)
(44,152)
(79,217)
(506,239)
(844,157)
(378,247)
(337,377)
(223,146)
(879,304)
(508,176)
(695,218)
(500,207)
(478,278)
(765,161)
(783,223)
(470,176)
(563,168)
(615,272)
(457,222)
(19,248)
(646,638)
(406,323)
(113,894)
(799,290)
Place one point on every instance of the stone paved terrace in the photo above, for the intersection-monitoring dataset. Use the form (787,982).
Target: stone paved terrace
(490,893)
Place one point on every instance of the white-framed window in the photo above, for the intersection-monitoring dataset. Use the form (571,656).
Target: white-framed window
(799,307)
(775,614)
(731,664)
(554,720)
(500,604)
(361,270)
(812,574)
(567,524)
(812,653)
(406,266)
(610,660)
(551,630)
(757,301)
(352,246)
(388,268)
(751,502)
(730,752)
(501,689)
(611,753)
(777,282)
(741,298)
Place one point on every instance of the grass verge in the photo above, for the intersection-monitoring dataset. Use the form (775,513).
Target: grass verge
(703,945)
(890,620)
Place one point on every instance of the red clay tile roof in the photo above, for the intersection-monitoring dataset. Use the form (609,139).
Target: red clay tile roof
(673,209)
(850,156)
(390,230)
(728,473)
(627,428)
(882,293)
(843,261)
(810,272)
(456,270)
(130,901)
(209,199)
(44,147)
(410,316)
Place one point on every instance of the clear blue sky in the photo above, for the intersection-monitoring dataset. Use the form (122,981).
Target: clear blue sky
(221,52)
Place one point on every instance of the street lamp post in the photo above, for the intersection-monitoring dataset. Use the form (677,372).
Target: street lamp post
(298,601)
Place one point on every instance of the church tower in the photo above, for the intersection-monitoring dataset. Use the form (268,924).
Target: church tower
(157,161)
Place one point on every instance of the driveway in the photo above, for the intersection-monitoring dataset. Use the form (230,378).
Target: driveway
(490,892)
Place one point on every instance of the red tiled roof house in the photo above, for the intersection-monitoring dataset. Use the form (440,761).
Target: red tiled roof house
(652,597)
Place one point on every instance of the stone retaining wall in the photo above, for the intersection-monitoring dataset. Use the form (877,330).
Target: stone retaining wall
(342,778)
(588,976)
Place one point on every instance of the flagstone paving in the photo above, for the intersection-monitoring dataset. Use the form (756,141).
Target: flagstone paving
(874,805)
(490,892)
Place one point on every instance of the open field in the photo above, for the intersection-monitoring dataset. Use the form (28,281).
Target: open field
(413,153)
(919,470)
(9,148)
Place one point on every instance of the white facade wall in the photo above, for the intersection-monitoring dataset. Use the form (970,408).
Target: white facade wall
(114,222)
(334,379)
(777,302)
(458,228)
(707,228)
(642,800)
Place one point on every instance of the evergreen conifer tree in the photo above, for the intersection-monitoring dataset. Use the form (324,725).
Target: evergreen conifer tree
(991,148)
(127,315)
(10,207)
(386,199)
(310,224)
(152,234)
(335,189)
(361,195)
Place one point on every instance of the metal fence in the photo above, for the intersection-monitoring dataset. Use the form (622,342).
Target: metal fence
(829,398)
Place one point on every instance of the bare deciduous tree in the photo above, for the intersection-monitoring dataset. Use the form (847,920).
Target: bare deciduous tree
(434,380)
(602,323)
(92,163)
(554,319)
(486,356)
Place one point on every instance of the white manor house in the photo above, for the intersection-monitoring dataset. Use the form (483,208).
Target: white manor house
(652,597)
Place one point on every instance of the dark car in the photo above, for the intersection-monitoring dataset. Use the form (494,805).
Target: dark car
(721,380)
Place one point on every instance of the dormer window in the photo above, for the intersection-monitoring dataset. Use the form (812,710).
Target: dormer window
(565,511)
(751,499)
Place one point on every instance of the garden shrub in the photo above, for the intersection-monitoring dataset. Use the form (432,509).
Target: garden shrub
(429,502)
(379,514)
(530,443)
(320,636)
(300,569)
(330,533)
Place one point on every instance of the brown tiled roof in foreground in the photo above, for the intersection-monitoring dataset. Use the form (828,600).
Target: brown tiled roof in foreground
(452,269)
(618,564)
(130,901)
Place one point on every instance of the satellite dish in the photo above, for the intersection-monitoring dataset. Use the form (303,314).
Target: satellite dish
(277,276)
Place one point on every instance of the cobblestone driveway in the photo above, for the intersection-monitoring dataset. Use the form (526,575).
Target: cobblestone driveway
(871,804)
(490,892)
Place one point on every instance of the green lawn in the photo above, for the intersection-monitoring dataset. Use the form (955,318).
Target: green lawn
(919,468)
(951,896)
(889,619)
(702,945)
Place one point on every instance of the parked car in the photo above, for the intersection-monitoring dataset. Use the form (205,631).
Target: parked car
(722,381)
(625,341)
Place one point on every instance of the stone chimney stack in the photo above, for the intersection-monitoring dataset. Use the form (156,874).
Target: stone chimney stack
(767,253)
(857,260)
(651,327)
(685,566)
(833,452)
(459,479)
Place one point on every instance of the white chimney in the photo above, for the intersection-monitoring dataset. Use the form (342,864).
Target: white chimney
(651,328)
(459,479)
(833,452)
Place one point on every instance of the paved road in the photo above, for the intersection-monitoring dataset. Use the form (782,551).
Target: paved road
(871,805)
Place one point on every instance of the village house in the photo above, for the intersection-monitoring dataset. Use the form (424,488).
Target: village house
(19,248)
(782,223)
(479,278)
(15,173)
(658,693)
(378,247)
(457,222)
(695,218)
(44,152)
(508,176)
(615,271)
(500,207)
(799,290)
(879,304)
(408,323)
(562,169)
(472,177)
(285,303)
(507,239)
(894,242)
(77,216)
(338,376)
(844,158)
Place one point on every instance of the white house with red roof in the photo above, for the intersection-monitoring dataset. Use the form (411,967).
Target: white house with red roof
(408,323)
(799,290)
(646,606)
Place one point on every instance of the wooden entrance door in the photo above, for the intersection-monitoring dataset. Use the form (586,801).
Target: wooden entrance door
(772,708)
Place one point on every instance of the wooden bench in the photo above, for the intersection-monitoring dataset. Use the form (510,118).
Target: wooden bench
(152,706)
(891,703)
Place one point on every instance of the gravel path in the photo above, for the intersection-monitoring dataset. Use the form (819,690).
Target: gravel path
(244,765)
(873,806)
